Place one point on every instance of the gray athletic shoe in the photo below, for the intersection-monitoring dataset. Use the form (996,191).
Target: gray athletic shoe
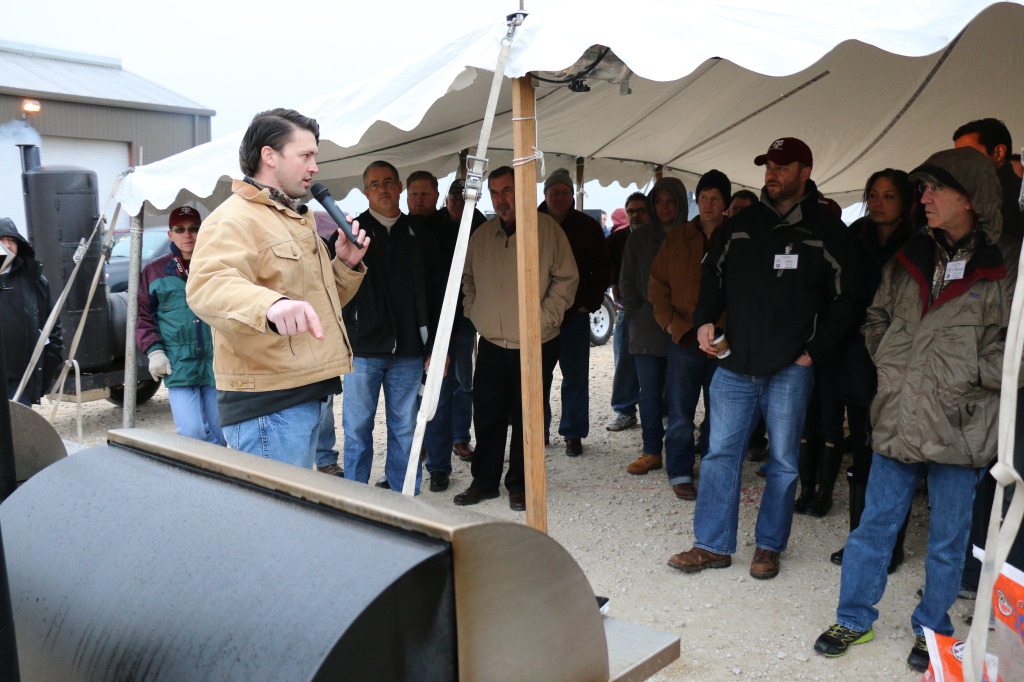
(620,422)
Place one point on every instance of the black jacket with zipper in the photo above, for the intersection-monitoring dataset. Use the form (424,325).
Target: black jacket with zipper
(371,317)
(775,315)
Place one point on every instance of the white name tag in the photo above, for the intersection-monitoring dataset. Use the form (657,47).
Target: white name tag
(786,262)
(955,269)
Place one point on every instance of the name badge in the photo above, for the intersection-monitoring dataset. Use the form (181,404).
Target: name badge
(786,261)
(955,269)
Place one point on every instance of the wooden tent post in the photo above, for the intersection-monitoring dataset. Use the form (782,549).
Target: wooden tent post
(524,135)
(461,173)
(579,183)
(659,172)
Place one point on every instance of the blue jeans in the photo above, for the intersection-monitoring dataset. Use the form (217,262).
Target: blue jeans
(651,371)
(737,403)
(625,385)
(867,552)
(194,409)
(437,438)
(287,436)
(401,378)
(574,360)
(327,439)
(689,371)
(462,398)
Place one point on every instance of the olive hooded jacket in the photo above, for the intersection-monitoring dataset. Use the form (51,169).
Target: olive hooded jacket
(940,361)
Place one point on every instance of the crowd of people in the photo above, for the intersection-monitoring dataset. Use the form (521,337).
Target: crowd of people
(793,328)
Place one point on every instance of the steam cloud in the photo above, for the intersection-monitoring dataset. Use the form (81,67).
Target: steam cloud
(19,132)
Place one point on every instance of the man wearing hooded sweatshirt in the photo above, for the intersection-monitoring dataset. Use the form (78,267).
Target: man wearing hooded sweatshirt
(24,307)
(673,290)
(936,332)
(648,341)
(782,272)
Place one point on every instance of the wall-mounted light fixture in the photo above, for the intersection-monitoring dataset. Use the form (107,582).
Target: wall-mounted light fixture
(30,106)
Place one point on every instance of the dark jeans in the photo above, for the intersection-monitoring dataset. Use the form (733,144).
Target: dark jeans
(824,420)
(625,385)
(497,403)
(651,372)
(689,371)
(574,360)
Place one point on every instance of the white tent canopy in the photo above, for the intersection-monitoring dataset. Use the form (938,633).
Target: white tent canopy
(834,79)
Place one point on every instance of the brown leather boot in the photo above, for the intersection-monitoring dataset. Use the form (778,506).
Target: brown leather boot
(697,559)
(644,464)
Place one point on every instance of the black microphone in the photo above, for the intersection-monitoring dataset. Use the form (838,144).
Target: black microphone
(321,194)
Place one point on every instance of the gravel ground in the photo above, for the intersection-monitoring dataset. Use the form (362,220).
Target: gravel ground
(622,529)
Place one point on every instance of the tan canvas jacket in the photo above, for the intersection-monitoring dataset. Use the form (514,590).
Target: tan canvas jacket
(491,288)
(250,253)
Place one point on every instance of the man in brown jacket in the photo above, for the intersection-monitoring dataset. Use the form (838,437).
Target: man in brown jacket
(261,277)
(489,281)
(673,291)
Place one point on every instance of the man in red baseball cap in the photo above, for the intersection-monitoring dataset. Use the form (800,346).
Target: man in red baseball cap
(783,273)
(178,344)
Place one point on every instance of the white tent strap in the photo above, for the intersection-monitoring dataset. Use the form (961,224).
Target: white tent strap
(1001,531)
(439,353)
(44,333)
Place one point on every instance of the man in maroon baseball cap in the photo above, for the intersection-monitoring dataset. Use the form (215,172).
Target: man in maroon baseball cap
(783,273)
(785,151)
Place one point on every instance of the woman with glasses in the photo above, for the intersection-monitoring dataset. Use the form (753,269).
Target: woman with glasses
(179,345)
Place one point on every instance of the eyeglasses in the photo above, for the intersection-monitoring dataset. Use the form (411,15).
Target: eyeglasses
(923,187)
(387,184)
(181,230)
(559,193)
(635,211)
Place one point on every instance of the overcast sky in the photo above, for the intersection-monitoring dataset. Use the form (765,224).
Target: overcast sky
(238,59)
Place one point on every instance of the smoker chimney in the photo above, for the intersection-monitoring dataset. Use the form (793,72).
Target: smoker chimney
(29,157)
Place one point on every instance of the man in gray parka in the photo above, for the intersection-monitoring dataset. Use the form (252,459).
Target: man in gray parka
(936,332)
(667,207)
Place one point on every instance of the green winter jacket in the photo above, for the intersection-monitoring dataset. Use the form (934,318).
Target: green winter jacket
(167,323)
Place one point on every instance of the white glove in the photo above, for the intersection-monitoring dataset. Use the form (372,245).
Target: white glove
(159,365)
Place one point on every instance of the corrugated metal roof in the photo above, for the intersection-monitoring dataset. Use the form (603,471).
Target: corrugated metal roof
(43,72)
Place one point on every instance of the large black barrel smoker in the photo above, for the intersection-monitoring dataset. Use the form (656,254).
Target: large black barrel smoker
(158,557)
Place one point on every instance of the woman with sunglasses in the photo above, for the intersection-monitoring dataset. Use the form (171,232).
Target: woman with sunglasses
(179,345)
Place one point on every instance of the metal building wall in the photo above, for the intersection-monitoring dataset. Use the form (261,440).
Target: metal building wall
(153,134)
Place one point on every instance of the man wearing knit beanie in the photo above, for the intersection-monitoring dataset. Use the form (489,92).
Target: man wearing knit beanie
(586,239)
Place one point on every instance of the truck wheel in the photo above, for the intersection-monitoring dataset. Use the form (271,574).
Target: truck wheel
(147,389)
(601,323)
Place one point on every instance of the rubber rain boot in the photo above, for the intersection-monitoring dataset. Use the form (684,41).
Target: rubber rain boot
(831,461)
(807,470)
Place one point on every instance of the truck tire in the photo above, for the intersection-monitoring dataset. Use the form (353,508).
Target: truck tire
(602,322)
(147,389)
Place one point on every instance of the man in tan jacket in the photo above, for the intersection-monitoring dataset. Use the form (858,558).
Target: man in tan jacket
(261,277)
(490,284)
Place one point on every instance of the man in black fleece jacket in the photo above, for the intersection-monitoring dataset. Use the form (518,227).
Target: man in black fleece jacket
(782,271)
(390,322)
